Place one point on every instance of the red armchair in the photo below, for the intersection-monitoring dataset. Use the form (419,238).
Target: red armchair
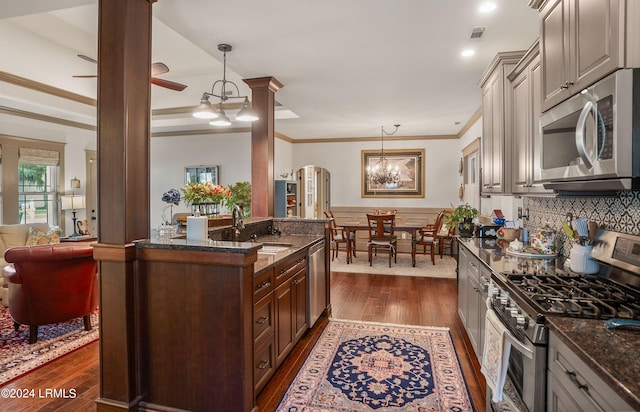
(51,283)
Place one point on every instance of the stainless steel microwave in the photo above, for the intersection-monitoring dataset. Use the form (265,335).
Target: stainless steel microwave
(591,142)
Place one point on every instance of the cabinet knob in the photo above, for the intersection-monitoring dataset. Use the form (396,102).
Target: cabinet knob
(566,85)
(263,364)
(262,320)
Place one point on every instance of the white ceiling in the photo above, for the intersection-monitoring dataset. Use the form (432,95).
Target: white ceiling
(348,67)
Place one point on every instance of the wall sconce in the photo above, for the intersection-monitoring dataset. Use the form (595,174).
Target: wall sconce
(75,183)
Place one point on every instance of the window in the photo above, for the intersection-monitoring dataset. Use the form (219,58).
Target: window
(37,186)
(31,173)
(37,193)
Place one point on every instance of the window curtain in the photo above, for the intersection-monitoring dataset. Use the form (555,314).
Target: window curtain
(38,157)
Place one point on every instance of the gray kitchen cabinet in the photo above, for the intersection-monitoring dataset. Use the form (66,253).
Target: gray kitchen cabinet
(463,284)
(573,386)
(583,41)
(496,123)
(527,139)
(472,309)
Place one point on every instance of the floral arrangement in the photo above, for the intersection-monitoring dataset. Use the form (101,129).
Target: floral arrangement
(241,196)
(205,192)
(172,196)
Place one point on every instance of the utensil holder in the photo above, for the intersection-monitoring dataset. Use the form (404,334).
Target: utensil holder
(581,261)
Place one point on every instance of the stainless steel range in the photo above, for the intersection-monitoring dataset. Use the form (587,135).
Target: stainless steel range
(525,297)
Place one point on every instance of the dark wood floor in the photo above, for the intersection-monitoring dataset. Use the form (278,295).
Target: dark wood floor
(379,298)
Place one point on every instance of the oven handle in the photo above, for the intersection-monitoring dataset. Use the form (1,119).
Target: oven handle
(581,139)
(515,343)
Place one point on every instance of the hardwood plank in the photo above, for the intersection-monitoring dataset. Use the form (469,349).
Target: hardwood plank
(378,298)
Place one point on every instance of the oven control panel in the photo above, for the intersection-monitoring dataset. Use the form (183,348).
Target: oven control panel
(619,250)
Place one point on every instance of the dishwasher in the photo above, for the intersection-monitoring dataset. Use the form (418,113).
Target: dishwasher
(317,282)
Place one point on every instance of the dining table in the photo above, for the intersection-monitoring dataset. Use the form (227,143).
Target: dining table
(410,227)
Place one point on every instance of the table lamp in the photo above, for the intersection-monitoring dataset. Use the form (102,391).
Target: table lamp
(73,203)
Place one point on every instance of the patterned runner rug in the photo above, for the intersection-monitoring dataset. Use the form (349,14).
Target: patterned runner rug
(363,366)
(18,357)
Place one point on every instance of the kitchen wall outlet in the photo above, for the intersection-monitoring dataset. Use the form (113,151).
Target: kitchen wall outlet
(525,213)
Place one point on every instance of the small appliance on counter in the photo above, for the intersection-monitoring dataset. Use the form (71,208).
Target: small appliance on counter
(488,231)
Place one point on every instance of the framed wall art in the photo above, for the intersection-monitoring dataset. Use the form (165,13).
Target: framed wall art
(407,163)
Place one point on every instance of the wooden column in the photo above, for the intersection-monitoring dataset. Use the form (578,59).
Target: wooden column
(124,100)
(262,144)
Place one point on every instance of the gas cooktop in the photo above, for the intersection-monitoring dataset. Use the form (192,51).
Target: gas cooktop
(575,295)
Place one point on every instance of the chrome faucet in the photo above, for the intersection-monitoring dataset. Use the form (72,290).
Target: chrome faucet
(236,222)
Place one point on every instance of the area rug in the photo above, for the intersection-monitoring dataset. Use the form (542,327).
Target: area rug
(364,366)
(18,357)
(444,268)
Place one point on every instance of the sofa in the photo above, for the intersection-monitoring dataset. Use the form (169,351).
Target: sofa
(51,283)
(19,235)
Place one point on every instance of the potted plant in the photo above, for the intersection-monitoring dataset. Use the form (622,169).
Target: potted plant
(462,217)
(240,194)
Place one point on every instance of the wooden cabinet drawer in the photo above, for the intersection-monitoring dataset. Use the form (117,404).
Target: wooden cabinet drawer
(263,364)
(290,267)
(262,284)
(263,317)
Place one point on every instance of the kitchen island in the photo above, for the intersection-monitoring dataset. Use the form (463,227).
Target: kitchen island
(195,308)
(613,355)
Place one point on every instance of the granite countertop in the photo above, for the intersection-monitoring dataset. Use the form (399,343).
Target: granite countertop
(614,354)
(264,261)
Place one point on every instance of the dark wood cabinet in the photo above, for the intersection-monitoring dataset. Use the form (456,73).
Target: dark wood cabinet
(264,364)
(291,304)
(280,314)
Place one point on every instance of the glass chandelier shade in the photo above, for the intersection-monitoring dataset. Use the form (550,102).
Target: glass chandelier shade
(218,117)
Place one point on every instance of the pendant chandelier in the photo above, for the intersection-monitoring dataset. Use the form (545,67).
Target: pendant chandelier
(217,115)
(382,173)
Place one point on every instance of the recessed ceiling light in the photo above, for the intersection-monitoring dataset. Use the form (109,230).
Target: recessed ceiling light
(468,53)
(487,7)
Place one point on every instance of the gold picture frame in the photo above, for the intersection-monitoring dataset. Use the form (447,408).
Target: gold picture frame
(410,163)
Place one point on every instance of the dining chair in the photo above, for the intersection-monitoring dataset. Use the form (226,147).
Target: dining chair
(338,236)
(427,237)
(381,236)
(446,236)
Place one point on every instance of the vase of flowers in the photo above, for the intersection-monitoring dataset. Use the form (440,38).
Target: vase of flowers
(172,197)
(205,197)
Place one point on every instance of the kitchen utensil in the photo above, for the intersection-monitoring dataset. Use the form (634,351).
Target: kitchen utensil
(619,322)
(582,227)
(592,228)
(567,229)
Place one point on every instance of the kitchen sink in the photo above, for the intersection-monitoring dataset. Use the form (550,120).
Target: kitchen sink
(269,248)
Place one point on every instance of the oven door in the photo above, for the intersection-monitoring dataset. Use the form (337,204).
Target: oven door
(525,385)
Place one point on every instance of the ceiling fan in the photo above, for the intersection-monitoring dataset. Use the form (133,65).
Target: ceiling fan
(156,69)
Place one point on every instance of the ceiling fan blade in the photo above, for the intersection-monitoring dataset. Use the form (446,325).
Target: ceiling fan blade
(87,58)
(168,84)
(158,68)
(83,76)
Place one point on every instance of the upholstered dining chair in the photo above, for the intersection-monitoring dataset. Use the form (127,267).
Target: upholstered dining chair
(427,237)
(381,236)
(338,236)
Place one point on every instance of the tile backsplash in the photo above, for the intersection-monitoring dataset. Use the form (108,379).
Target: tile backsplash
(620,213)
